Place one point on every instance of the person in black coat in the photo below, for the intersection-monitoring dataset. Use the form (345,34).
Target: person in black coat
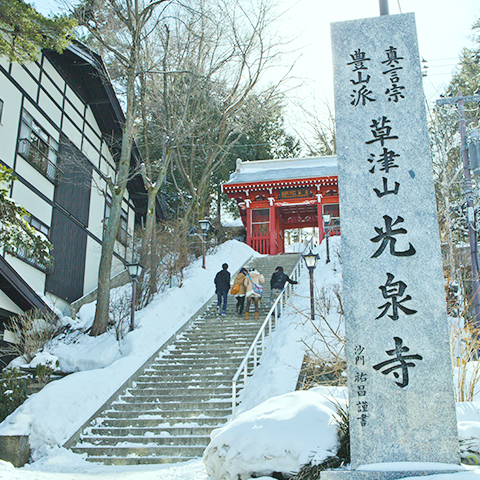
(222,286)
(277,282)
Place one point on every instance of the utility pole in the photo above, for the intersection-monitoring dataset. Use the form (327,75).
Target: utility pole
(460,100)
(384,7)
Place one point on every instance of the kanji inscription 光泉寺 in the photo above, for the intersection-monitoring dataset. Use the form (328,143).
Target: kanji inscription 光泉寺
(396,324)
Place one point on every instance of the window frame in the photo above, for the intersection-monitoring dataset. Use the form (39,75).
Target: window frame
(37,147)
(40,226)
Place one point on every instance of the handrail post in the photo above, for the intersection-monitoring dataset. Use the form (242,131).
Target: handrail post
(234,398)
(275,312)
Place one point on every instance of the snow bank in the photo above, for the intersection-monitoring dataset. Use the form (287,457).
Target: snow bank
(468,418)
(280,435)
(102,365)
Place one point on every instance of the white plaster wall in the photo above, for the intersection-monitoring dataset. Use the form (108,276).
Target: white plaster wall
(107,168)
(55,93)
(54,88)
(10,120)
(106,152)
(117,266)
(91,141)
(72,132)
(59,303)
(24,79)
(56,78)
(41,119)
(50,108)
(34,277)
(74,100)
(91,265)
(7,304)
(32,202)
(97,206)
(90,117)
(26,170)
(4,63)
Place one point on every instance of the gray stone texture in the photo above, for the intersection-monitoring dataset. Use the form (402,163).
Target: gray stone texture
(379,475)
(15,449)
(414,422)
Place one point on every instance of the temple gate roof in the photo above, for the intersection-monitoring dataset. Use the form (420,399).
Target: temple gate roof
(281,171)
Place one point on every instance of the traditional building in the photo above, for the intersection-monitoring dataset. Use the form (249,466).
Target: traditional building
(276,195)
(60,132)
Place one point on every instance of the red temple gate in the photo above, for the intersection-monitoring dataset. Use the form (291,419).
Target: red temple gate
(277,195)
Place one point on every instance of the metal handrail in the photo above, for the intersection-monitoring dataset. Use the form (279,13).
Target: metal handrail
(274,314)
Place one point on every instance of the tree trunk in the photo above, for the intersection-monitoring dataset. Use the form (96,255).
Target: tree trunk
(104,273)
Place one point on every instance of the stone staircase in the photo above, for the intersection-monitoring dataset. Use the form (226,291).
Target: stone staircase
(167,413)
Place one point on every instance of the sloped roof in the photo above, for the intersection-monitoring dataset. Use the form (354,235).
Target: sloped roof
(18,290)
(88,76)
(283,169)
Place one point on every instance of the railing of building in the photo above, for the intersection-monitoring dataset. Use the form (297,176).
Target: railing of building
(38,159)
(257,348)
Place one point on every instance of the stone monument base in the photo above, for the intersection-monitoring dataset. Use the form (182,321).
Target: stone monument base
(390,473)
(15,449)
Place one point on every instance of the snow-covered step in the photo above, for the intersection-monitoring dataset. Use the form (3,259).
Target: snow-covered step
(188,413)
(170,409)
(147,439)
(196,396)
(158,422)
(176,431)
(142,392)
(134,451)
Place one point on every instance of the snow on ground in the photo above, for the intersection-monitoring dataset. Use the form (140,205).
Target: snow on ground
(278,435)
(102,364)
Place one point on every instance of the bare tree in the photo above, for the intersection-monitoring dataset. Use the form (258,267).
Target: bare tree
(319,137)
(214,55)
(121,27)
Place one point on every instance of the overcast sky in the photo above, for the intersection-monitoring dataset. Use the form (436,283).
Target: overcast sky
(444,28)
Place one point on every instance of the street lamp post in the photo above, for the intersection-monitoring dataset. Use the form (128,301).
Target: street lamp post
(205,227)
(134,270)
(311,260)
(326,221)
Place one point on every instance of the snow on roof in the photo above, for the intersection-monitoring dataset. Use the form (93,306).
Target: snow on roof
(283,169)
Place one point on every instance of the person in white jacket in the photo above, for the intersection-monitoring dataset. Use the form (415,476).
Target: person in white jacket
(252,277)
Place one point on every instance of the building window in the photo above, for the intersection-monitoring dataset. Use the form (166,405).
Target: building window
(37,147)
(1,109)
(38,225)
(334,210)
(24,254)
(122,234)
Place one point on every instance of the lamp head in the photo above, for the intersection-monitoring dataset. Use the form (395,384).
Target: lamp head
(311,259)
(326,218)
(205,225)
(134,270)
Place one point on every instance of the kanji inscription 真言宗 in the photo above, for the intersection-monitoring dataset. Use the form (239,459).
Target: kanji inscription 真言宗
(401,399)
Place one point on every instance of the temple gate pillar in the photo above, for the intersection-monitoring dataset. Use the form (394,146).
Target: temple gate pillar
(271,227)
(248,216)
(321,233)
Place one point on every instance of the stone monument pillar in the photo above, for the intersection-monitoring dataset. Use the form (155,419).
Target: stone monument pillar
(401,400)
